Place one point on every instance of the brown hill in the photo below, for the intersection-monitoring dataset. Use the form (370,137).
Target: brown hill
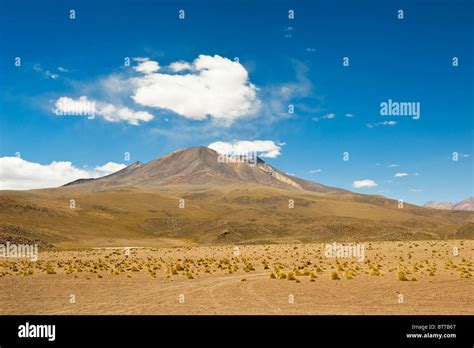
(199,166)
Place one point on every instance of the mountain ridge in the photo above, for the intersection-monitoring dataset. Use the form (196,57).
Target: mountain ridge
(466,204)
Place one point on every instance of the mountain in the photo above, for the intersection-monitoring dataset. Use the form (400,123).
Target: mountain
(197,196)
(467,204)
(440,205)
(200,166)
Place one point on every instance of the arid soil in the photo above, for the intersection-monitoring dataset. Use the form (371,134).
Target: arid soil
(409,277)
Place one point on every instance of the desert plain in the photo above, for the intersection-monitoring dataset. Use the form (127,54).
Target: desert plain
(395,277)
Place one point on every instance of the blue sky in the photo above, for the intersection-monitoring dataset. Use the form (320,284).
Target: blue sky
(288,61)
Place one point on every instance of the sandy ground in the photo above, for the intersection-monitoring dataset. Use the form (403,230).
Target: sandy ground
(224,280)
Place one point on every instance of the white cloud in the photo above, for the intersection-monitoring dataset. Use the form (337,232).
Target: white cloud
(315,171)
(385,123)
(350,115)
(393,165)
(60,68)
(216,87)
(47,73)
(180,66)
(108,168)
(364,183)
(51,75)
(399,175)
(325,117)
(147,67)
(18,174)
(263,148)
(114,113)
(65,106)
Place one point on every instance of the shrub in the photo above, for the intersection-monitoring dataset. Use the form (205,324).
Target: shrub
(374,272)
(349,274)
(402,276)
(335,276)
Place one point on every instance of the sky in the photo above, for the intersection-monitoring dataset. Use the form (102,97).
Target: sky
(301,82)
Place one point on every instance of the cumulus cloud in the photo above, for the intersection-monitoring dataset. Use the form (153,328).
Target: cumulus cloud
(180,66)
(393,165)
(263,148)
(315,171)
(364,183)
(147,67)
(114,113)
(215,87)
(108,168)
(19,174)
(82,106)
(399,175)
